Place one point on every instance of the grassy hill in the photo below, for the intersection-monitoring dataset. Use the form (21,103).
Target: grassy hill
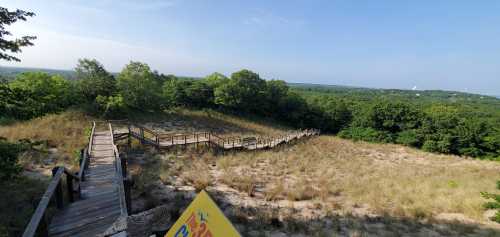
(316,187)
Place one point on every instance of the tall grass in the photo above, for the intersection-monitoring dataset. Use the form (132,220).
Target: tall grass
(390,179)
(67,132)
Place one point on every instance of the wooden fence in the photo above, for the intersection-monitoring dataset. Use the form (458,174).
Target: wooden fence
(167,140)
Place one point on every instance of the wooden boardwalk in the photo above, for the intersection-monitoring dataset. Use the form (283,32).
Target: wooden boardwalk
(99,194)
(165,140)
(101,202)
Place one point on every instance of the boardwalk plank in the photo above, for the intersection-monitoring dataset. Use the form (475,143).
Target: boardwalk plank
(99,206)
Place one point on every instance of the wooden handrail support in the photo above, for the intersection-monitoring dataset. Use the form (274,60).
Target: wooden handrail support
(38,222)
(83,164)
(121,178)
(91,139)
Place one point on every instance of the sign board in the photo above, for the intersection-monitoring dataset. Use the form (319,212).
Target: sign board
(202,218)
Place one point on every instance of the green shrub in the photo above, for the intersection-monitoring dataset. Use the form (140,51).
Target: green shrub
(140,87)
(495,204)
(365,134)
(9,167)
(409,138)
(94,80)
(111,106)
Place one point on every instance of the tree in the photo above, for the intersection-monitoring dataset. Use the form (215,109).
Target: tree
(94,80)
(41,93)
(216,79)
(394,117)
(13,45)
(174,92)
(275,93)
(336,114)
(140,87)
(199,94)
(243,92)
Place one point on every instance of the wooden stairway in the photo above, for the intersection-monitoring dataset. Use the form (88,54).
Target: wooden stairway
(100,202)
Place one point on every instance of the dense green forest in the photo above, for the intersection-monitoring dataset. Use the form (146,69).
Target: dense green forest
(436,121)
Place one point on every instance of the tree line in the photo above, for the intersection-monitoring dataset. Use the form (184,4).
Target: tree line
(433,126)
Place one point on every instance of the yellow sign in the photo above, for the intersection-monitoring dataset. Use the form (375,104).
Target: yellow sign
(202,218)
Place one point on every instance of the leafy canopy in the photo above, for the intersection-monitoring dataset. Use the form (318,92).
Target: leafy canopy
(140,87)
(94,79)
(8,18)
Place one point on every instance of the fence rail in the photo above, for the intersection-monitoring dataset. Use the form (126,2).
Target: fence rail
(39,220)
(166,140)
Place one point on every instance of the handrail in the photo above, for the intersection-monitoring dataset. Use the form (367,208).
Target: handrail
(119,175)
(55,187)
(83,164)
(173,138)
(91,139)
(43,204)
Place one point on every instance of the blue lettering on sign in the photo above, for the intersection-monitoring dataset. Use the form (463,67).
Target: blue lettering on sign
(183,230)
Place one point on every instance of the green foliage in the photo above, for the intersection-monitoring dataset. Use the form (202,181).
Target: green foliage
(409,138)
(243,92)
(216,79)
(393,117)
(18,202)
(494,204)
(431,120)
(365,134)
(140,87)
(94,80)
(34,94)
(9,168)
(13,45)
(111,106)
(197,94)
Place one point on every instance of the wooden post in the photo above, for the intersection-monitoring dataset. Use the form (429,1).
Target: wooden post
(129,138)
(209,143)
(59,191)
(80,160)
(123,162)
(43,229)
(142,135)
(69,186)
(128,201)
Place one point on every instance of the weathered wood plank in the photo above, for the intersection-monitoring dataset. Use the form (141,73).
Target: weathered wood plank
(100,205)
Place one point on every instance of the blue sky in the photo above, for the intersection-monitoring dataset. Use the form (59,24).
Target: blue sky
(452,45)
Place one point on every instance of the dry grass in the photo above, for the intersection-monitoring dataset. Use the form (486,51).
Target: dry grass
(242,182)
(185,120)
(67,132)
(197,175)
(391,179)
(327,178)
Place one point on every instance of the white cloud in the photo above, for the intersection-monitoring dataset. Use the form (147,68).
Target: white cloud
(265,18)
(62,51)
(130,5)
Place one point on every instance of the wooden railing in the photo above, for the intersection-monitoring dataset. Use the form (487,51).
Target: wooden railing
(39,220)
(121,178)
(148,136)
